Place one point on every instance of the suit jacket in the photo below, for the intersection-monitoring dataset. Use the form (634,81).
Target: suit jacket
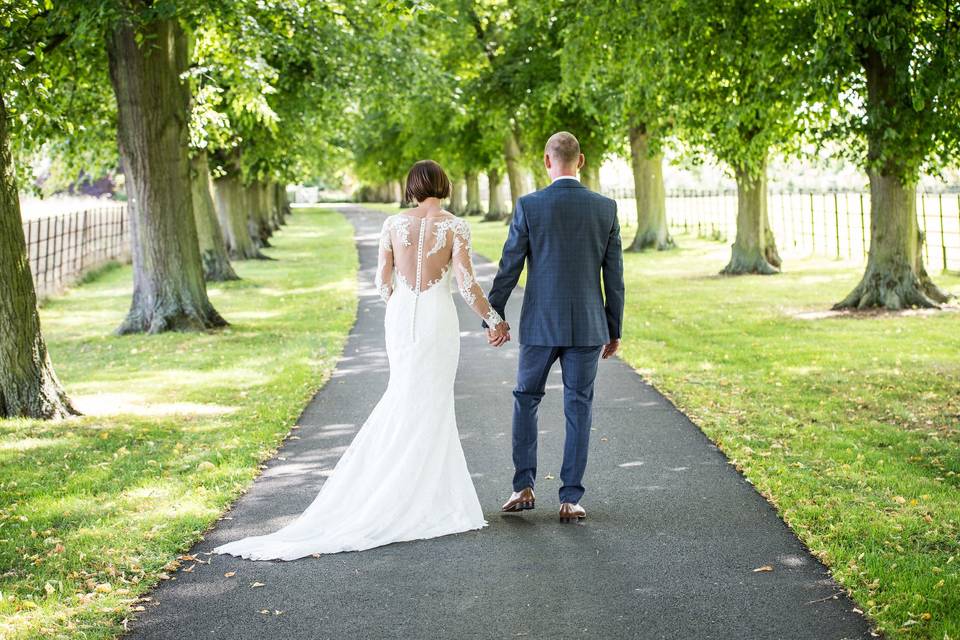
(569,237)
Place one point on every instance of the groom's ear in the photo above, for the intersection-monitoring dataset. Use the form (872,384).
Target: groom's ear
(581,161)
(546,160)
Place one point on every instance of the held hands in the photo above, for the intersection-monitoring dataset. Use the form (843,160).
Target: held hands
(610,349)
(500,335)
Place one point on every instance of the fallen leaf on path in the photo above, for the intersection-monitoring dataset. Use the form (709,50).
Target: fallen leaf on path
(548,477)
(764,568)
(229,574)
(189,569)
(254,585)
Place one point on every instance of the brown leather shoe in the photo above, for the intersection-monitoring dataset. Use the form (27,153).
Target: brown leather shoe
(520,501)
(570,512)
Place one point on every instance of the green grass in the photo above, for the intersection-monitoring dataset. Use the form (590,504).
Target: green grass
(849,426)
(94,508)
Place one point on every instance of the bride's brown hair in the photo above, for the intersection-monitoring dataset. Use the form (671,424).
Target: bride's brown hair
(427,179)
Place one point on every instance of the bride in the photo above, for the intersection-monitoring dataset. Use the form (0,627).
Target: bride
(404,476)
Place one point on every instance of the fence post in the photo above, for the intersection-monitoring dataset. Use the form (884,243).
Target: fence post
(836,222)
(846,215)
(813,226)
(943,234)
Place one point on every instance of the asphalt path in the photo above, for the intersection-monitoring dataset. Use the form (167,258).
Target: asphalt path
(669,548)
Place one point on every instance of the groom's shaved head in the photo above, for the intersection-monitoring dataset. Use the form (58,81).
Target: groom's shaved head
(563,148)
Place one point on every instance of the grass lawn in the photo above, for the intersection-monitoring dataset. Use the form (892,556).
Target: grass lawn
(849,426)
(94,508)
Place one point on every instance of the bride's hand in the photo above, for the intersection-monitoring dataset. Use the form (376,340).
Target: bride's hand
(500,335)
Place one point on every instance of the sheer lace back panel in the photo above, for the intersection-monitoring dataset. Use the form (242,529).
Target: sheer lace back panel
(416,253)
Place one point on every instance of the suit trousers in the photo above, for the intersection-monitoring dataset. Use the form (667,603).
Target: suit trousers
(579,370)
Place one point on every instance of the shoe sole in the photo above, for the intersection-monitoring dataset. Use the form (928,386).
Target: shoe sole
(571,520)
(520,506)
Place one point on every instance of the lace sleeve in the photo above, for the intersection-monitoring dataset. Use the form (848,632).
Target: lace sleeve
(463,269)
(384,278)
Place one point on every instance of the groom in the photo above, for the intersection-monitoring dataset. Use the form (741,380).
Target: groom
(570,239)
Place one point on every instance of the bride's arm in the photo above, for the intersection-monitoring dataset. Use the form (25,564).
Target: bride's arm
(384,278)
(466,281)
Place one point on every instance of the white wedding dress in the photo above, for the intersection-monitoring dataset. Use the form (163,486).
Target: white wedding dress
(404,476)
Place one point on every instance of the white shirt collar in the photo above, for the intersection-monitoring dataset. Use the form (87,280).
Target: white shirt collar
(566,178)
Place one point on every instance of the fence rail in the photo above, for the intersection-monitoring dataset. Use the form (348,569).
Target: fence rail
(61,248)
(834,223)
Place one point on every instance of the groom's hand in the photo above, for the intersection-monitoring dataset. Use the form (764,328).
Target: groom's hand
(610,349)
(499,336)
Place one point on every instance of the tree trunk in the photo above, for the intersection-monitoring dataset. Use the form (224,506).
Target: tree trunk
(590,175)
(213,250)
(404,203)
(474,205)
(28,386)
(540,178)
(895,277)
(231,210)
(495,207)
(258,219)
(649,192)
(395,193)
(514,159)
(749,251)
(281,204)
(457,197)
(152,110)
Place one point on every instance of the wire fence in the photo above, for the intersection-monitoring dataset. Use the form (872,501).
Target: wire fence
(834,224)
(61,248)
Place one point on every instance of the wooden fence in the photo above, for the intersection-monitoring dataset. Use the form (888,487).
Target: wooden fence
(61,248)
(828,223)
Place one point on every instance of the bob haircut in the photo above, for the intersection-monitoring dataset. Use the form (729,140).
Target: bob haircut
(427,179)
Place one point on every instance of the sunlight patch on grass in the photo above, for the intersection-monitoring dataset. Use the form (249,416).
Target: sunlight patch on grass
(849,424)
(175,428)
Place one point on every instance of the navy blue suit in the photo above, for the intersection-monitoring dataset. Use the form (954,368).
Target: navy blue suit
(569,238)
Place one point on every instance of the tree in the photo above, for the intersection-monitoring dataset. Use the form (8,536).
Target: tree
(613,50)
(148,55)
(736,73)
(900,60)
(28,384)
(213,249)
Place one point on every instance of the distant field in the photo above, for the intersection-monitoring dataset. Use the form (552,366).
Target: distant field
(31,207)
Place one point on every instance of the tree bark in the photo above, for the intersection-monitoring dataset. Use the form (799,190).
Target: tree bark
(213,250)
(152,110)
(650,194)
(496,210)
(474,206)
(281,204)
(514,159)
(395,192)
(258,218)
(231,210)
(895,277)
(28,385)
(540,178)
(457,197)
(404,203)
(749,251)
